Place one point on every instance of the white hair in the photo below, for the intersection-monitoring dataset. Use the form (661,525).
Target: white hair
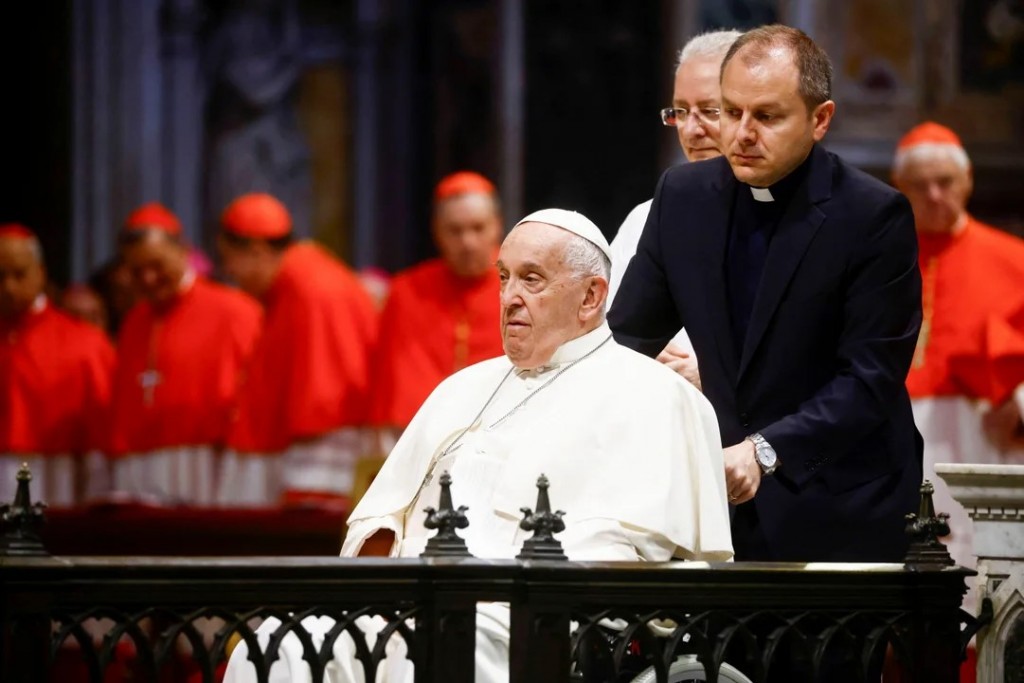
(707,45)
(930,151)
(585,258)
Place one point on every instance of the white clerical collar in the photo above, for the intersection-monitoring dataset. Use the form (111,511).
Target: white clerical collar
(38,304)
(571,350)
(762,194)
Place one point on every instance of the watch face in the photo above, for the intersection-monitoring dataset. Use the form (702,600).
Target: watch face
(766,456)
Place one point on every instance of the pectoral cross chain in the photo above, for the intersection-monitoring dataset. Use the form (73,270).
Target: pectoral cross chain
(149,380)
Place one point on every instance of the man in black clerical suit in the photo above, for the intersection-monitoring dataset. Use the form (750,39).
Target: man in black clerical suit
(796,277)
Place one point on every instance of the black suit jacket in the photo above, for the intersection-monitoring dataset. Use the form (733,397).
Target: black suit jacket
(821,372)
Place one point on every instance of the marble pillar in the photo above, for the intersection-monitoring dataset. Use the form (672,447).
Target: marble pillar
(993,496)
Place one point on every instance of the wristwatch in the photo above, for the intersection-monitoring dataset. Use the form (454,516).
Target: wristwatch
(764,454)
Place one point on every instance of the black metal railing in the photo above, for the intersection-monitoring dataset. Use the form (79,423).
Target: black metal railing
(582,621)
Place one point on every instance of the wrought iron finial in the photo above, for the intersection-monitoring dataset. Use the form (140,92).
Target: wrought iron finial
(446,519)
(22,520)
(544,524)
(926,551)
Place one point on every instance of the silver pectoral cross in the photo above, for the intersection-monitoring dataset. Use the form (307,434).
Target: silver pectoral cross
(149,380)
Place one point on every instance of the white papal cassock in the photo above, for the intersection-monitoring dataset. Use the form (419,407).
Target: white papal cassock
(631,449)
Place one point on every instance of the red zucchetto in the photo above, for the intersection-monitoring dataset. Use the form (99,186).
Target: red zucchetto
(16,231)
(929,133)
(463,182)
(257,216)
(153,216)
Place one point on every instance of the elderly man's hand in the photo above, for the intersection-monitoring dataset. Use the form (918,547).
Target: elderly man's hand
(742,473)
(682,362)
(1003,426)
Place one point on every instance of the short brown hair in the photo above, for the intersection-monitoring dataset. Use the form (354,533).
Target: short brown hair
(813,65)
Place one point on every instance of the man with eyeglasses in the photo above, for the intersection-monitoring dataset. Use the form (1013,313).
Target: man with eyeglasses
(696,101)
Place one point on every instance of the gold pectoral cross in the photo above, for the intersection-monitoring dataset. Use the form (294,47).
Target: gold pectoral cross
(922,343)
(927,311)
(462,331)
(149,380)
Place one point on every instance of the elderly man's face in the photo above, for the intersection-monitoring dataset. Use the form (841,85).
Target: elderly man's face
(698,91)
(157,264)
(938,189)
(22,276)
(541,296)
(766,128)
(467,230)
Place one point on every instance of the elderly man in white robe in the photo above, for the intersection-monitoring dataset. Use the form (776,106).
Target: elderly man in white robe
(631,449)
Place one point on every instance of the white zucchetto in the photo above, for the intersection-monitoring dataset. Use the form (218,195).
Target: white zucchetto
(574,222)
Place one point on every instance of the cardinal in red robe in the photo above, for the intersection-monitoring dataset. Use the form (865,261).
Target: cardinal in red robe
(55,375)
(303,409)
(182,351)
(966,373)
(443,314)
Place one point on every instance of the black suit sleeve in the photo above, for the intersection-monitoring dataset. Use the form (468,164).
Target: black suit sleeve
(644,315)
(882,318)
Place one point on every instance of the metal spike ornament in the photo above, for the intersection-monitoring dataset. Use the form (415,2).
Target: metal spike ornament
(22,520)
(926,551)
(446,519)
(544,524)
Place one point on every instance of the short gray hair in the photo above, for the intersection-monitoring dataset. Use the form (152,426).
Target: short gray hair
(585,258)
(711,44)
(928,152)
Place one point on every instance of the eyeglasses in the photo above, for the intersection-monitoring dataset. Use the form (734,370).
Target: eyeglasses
(677,116)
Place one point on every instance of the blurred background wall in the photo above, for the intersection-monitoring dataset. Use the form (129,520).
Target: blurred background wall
(351,110)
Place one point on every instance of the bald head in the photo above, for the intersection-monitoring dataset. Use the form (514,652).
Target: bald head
(22,275)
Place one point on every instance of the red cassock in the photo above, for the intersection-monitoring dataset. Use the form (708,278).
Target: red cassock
(306,392)
(434,323)
(55,377)
(176,385)
(973,292)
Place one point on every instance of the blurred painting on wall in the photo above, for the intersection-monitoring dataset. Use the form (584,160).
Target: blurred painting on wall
(875,48)
(992,39)
(987,108)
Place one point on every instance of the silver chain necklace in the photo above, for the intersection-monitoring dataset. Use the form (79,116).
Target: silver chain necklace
(457,441)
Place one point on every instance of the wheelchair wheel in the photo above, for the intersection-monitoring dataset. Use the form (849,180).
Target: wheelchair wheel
(687,668)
